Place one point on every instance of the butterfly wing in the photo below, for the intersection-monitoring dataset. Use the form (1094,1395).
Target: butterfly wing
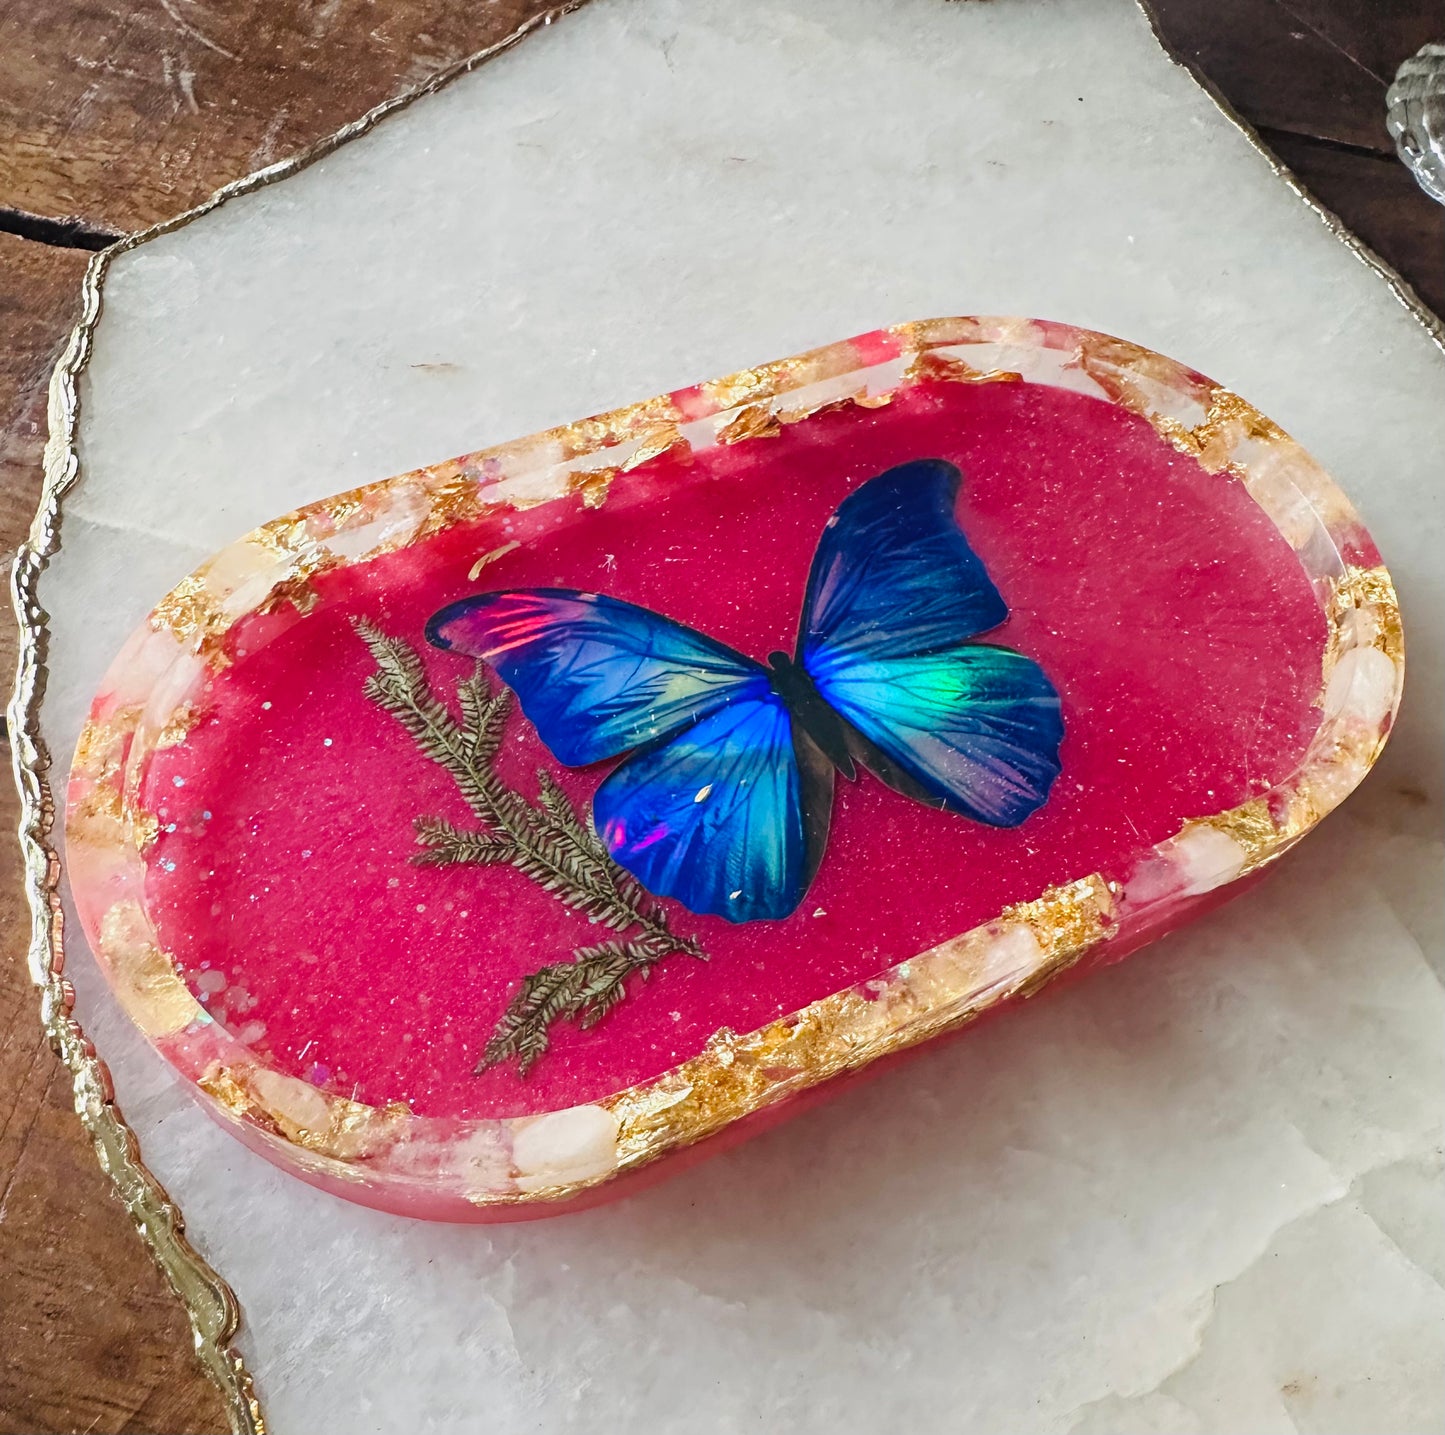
(894,597)
(728,817)
(973,728)
(893,574)
(594,675)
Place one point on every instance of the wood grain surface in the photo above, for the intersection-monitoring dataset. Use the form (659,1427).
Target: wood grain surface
(115,114)
(1311,76)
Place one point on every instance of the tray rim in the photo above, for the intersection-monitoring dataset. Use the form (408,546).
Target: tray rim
(497,1164)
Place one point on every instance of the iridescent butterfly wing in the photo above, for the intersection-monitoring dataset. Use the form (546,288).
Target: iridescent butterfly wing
(717,807)
(895,598)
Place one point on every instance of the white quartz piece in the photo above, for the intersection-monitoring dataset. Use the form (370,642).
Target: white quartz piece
(1200,1192)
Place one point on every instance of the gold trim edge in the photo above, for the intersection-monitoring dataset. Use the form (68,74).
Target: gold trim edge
(209,1300)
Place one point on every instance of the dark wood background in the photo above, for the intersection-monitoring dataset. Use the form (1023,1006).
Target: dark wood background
(115,114)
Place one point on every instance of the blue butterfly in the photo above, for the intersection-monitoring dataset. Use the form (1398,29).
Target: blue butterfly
(725,800)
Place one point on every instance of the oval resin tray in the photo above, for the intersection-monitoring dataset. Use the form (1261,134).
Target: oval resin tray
(471,906)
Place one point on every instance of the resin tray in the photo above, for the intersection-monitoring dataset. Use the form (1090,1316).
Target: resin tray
(249,798)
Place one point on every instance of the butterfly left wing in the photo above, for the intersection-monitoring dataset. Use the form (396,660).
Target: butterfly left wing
(728,817)
(595,676)
(894,597)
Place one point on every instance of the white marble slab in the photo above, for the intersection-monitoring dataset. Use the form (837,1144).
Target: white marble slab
(1199,1193)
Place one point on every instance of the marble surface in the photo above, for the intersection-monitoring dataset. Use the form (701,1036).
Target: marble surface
(1200,1192)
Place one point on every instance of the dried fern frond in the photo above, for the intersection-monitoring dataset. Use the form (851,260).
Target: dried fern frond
(546,840)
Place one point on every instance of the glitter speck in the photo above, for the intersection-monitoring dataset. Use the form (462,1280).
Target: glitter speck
(266,706)
(325,742)
(179,781)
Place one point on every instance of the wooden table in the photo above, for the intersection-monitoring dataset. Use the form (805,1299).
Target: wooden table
(114,117)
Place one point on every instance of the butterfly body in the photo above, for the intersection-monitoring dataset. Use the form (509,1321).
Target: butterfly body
(812,718)
(725,799)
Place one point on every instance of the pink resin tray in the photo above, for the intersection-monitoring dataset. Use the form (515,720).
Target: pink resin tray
(274,750)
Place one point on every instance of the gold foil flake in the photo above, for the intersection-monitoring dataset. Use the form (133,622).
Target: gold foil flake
(592,484)
(1251,827)
(474,572)
(286,537)
(452,496)
(1337,764)
(96,747)
(655,443)
(142,828)
(102,745)
(1228,421)
(932,333)
(1136,378)
(178,726)
(587,436)
(1067,920)
(330,1126)
(948,332)
(302,565)
(101,817)
(296,590)
(930,365)
(768,381)
(1364,598)
(98,819)
(155,997)
(222,1087)
(754,421)
(338,514)
(860,400)
(747,386)
(193,615)
(334,1127)
(302,557)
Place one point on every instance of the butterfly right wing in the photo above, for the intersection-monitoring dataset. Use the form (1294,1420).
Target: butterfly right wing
(973,728)
(595,676)
(896,597)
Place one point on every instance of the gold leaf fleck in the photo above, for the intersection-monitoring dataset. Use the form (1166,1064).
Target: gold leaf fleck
(192,614)
(755,421)
(1369,594)
(145,980)
(453,496)
(178,726)
(829,406)
(474,572)
(592,484)
(931,365)
(663,439)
